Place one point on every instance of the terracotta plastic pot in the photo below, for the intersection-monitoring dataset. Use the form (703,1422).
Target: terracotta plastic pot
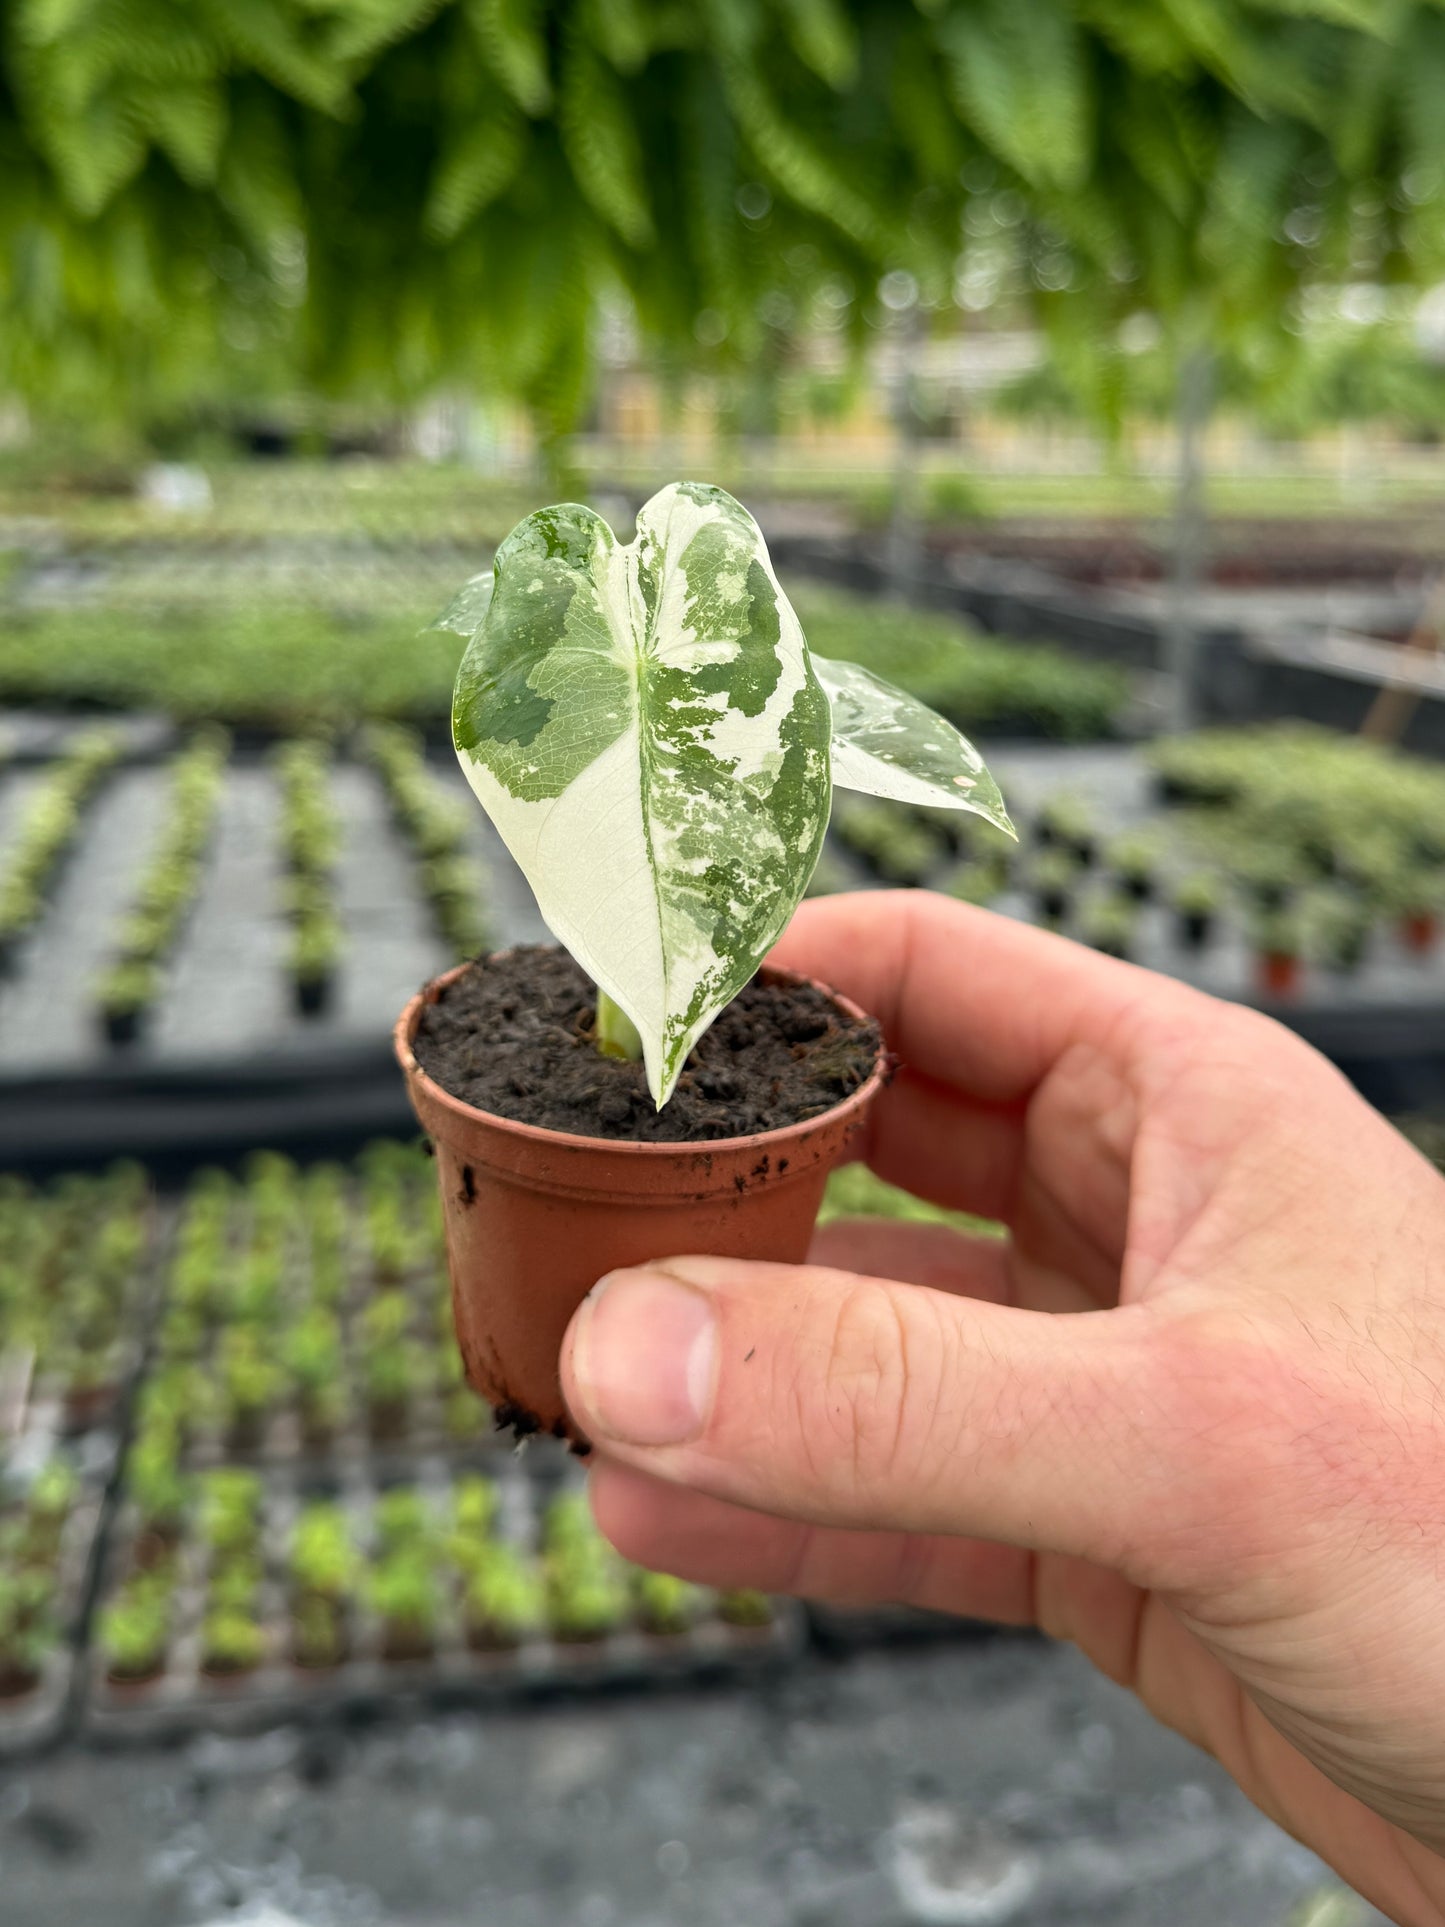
(1418,932)
(534,1217)
(1279,973)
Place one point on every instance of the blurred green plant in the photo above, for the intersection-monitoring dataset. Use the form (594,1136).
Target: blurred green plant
(296,667)
(378,196)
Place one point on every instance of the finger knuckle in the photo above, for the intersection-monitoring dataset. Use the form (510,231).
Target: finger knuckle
(880,1377)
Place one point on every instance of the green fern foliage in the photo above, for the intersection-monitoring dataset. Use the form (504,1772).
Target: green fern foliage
(374,197)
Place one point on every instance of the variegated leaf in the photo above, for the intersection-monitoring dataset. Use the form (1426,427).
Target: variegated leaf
(642,725)
(467,610)
(887,743)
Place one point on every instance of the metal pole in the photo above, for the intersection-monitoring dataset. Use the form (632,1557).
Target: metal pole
(1191,529)
(905,524)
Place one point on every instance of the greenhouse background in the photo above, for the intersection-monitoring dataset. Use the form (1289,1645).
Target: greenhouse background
(1084,366)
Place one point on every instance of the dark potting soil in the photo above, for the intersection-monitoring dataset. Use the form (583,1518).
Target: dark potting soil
(514,1036)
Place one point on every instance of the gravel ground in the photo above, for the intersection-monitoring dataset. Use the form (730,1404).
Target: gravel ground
(972,1782)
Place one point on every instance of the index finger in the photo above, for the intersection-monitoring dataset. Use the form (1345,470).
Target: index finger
(976,1001)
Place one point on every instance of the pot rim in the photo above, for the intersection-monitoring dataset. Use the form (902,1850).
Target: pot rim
(430,993)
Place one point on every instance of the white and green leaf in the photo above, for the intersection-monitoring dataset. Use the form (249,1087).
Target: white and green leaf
(887,743)
(467,610)
(643,725)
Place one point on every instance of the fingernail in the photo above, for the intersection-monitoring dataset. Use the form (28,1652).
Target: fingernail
(642,1354)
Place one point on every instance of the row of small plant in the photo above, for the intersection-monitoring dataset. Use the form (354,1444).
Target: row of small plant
(48,827)
(1286,806)
(103,509)
(319,1301)
(307,650)
(396,1576)
(310,841)
(151,928)
(74,1263)
(33,1610)
(985,684)
(438,825)
(1202,866)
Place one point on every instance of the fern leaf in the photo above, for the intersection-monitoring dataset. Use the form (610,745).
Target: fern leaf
(1021,77)
(824,39)
(189,123)
(475,167)
(362,28)
(509,34)
(600,142)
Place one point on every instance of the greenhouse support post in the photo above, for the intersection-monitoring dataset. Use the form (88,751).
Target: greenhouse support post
(1181,629)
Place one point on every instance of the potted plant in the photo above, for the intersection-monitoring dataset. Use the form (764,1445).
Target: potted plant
(28,1634)
(1067,823)
(251,1382)
(975,883)
(1341,923)
(158,1490)
(1196,899)
(125,993)
(505,1601)
(1052,877)
(666,1607)
(48,1505)
(233,1641)
(745,1609)
(311,1353)
(464,1415)
(404,1591)
(1110,925)
(587,1599)
(392,1363)
(1134,860)
(230,1513)
(324,1568)
(1415,895)
(624,1127)
(1271,872)
(135,1627)
(474,1512)
(315,952)
(1278,947)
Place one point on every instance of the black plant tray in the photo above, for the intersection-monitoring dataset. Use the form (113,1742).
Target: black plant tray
(184,1699)
(844,1629)
(313,1096)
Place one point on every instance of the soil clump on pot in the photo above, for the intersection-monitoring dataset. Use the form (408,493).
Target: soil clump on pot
(513,1035)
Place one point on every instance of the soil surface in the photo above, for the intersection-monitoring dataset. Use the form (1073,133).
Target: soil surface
(514,1036)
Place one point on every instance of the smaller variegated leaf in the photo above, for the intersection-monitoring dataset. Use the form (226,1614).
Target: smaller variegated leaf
(642,725)
(887,743)
(467,610)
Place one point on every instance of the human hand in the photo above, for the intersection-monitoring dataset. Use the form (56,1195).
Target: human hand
(1223,1478)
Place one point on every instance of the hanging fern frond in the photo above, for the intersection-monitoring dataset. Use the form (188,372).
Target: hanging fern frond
(600,142)
(205,197)
(509,33)
(478,163)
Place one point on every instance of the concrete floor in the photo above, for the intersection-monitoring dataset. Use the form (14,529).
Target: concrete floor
(971,1782)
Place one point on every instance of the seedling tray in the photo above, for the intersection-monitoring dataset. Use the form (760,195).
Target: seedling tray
(367,1242)
(184,1698)
(32,1721)
(39,1405)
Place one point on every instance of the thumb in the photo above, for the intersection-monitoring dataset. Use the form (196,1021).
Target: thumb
(861,1402)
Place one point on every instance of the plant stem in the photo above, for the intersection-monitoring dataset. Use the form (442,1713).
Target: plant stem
(617,1035)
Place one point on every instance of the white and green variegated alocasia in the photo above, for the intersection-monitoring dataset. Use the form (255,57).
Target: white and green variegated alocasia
(647,729)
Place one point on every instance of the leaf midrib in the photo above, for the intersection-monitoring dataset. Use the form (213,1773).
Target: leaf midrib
(641,643)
